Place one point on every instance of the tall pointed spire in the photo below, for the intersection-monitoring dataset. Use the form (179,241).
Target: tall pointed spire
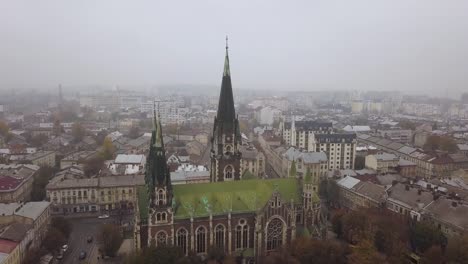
(226,111)
(227,71)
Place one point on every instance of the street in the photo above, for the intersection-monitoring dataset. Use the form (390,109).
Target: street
(82,229)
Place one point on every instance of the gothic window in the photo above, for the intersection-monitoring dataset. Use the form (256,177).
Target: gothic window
(161,198)
(242,234)
(228,149)
(228,172)
(275,234)
(161,238)
(219,236)
(200,239)
(163,217)
(181,239)
(158,217)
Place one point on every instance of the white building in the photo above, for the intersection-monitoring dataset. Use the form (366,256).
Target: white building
(268,115)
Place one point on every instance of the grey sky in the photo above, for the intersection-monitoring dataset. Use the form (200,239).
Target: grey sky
(419,45)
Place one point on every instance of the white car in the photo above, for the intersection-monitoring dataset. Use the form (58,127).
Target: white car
(104,216)
(64,248)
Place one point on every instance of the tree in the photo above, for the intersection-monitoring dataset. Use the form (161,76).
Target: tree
(32,255)
(100,136)
(444,143)
(108,149)
(330,191)
(423,236)
(134,132)
(78,132)
(365,253)
(4,129)
(38,140)
(355,225)
(53,240)
(44,174)
(111,238)
(62,224)
(457,250)
(433,255)
(93,165)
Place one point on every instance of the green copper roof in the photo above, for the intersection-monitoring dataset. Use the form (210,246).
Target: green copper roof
(143,202)
(292,170)
(200,199)
(308,177)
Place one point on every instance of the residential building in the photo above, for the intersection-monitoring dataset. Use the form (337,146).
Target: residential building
(409,201)
(16,182)
(382,163)
(355,194)
(111,194)
(315,162)
(41,158)
(125,164)
(397,135)
(252,161)
(79,157)
(447,215)
(268,115)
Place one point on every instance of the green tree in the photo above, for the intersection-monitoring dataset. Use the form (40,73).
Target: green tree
(44,174)
(423,236)
(62,224)
(78,132)
(111,238)
(93,165)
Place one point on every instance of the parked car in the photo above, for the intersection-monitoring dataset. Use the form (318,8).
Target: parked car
(65,248)
(89,239)
(82,255)
(103,216)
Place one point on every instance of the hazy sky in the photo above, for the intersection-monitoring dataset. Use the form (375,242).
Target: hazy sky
(419,45)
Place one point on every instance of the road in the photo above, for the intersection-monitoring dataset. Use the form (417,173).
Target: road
(82,229)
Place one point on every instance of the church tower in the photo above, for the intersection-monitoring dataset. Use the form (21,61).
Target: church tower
(158,182)
(226,139)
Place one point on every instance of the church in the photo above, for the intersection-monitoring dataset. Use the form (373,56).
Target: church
(243,217)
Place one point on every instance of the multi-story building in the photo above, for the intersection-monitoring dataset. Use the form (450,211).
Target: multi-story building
(76,158)
(299,133)
(252,161)
(397,135)
(100,194)
(16,182)
(356,194)
(41,158)
(268,115)
(315,162)
(25,224)
(382,163)
(171,111)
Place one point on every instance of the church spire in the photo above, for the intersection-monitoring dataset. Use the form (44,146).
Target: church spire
(226,111)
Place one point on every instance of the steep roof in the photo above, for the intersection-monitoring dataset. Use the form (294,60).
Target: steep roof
(235,196)
(226,112)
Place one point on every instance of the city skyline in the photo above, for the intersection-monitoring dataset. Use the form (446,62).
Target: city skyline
(297,47)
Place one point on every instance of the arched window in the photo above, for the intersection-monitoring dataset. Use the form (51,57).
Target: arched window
(275,234)
(181,239)
(158,217)
(228,172)
(219,236)
(200,239)
(161,199)
(242,235)
(161,238)
(163,217)
(228,149)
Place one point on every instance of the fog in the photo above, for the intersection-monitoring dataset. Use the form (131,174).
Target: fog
(415,46)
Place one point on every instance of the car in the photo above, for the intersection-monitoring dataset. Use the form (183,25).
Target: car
(89,239)
(59,255)
(104,216)
(82,255)
(64,248)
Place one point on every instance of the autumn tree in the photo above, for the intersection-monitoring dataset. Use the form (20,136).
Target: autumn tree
(78,132)
(365,253)
(111,238)
(457,250)
(108,149)
(53,240)
(444,143)
(93,165)
(134,132)
(62,224)
(4,129)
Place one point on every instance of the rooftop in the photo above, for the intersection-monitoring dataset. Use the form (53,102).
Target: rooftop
(411,198)
(30,209)
(130,158)
(444,210)
(386,157)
